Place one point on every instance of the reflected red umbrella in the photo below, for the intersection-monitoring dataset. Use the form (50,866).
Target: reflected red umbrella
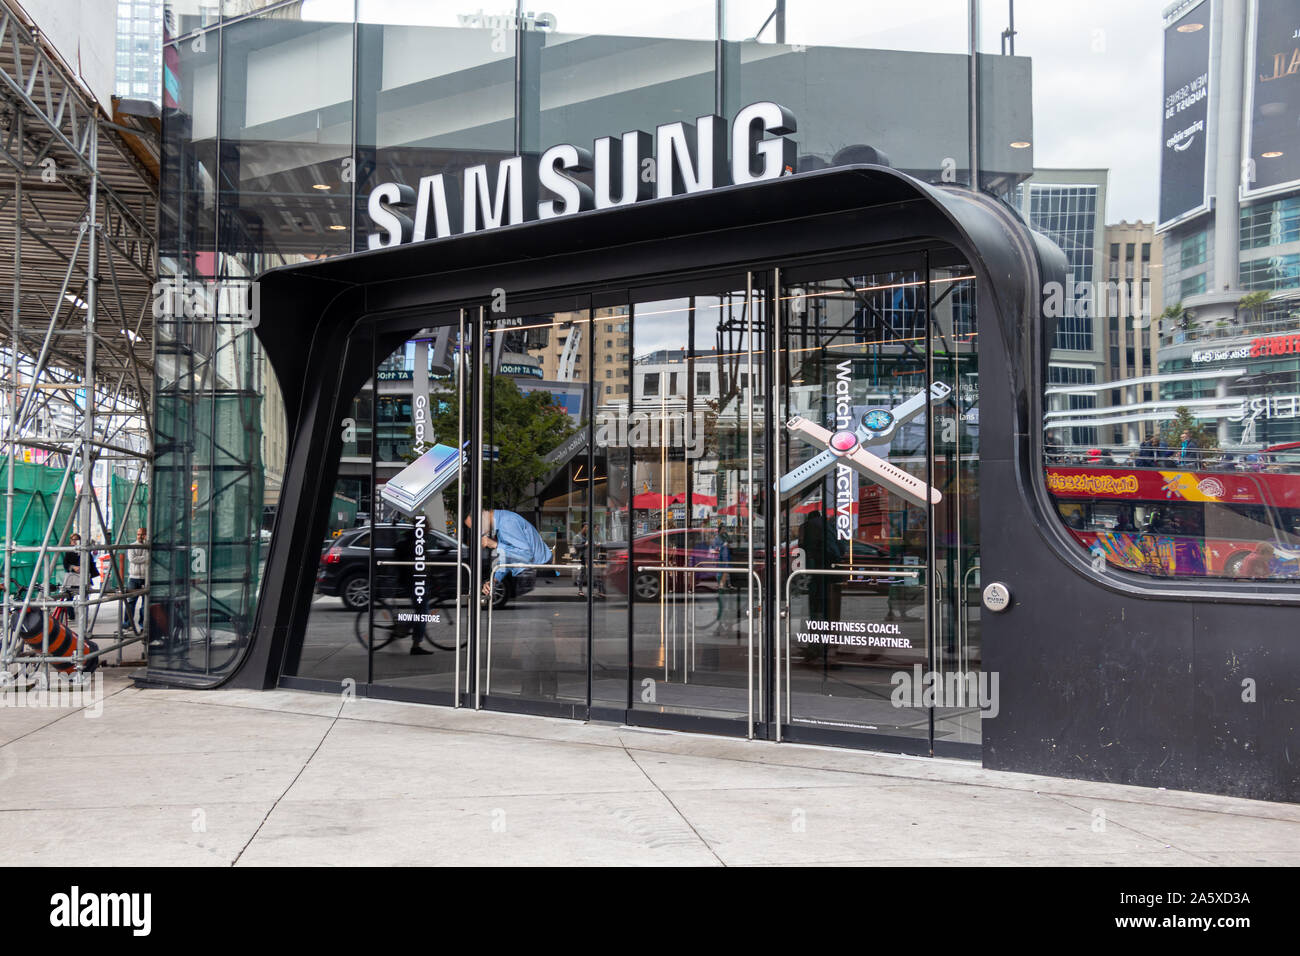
(696,499)
(650,500)
(741,509)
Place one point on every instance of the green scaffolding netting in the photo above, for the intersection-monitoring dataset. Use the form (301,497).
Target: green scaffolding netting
(35,489)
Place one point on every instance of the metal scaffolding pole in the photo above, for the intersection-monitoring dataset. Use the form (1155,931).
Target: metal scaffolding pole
(75,393)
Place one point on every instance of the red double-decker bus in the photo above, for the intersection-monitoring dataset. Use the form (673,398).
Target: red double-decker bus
(1172,522)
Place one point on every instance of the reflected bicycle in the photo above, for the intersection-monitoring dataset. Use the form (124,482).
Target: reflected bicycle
(395,622)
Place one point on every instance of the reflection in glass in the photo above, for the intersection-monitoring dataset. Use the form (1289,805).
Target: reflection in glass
(692,429)
(538,483)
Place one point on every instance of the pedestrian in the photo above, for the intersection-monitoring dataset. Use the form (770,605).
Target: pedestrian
(513,541)
(1146,456)
(580,555)
(821,552)
(517,546)
(137,572)
(72,565)
(721,548)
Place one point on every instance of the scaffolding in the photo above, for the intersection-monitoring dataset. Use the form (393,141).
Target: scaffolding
(78,206)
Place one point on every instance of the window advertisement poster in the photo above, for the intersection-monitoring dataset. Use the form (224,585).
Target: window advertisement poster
(1185,126)
(1274,158)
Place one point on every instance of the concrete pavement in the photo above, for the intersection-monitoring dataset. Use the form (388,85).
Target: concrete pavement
(218,778)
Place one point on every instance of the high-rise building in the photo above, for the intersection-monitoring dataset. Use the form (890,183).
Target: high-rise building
(1230,222)
(1131,298)
(1069,207)
(139,50)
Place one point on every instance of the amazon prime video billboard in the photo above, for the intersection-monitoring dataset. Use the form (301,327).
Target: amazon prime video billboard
(1186,114)
(1275,97)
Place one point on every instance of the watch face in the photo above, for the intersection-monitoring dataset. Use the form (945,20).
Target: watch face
(842,443)
(877,420)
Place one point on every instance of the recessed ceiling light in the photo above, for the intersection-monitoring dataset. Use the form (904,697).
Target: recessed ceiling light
(337,228)
(1190,27)
(319,186)
(1272,154)
(1020,144)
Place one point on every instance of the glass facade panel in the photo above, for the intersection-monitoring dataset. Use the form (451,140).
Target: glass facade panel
(435,94)
(813,58)
(697,504)
(1165,452)
(537,506)
(280,120)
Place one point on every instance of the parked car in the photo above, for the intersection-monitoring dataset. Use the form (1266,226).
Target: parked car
(345,568)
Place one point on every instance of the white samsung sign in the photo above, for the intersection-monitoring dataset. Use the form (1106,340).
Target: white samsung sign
(679,158)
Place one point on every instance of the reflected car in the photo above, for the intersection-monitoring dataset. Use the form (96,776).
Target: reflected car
(344,570)
(674,548)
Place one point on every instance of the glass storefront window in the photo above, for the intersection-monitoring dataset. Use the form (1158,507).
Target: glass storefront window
(1178,467)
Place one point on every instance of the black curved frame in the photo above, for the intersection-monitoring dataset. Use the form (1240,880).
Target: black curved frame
(1100,677)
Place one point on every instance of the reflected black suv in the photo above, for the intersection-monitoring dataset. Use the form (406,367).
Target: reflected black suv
(345,568)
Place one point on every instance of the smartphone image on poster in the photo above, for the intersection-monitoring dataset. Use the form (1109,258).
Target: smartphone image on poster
(419,481)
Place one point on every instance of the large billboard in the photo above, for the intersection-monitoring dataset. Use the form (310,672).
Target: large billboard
(1186,114)
(1274,136)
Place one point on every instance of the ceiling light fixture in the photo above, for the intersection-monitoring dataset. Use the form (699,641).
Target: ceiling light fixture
(337,228)
(319,186)
(1020,144)
(1190,27)
(1272,154)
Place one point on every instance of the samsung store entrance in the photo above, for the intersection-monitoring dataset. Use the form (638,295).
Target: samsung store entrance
(709,463)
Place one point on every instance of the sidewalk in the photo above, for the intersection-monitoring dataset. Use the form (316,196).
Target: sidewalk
(214,778)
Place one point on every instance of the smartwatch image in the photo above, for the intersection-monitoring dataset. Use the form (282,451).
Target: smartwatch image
(876,426)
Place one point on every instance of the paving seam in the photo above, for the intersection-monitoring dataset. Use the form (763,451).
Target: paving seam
(676,809)
(276,802)
(1135,830)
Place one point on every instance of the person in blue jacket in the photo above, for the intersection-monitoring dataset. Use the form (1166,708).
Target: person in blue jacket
(512,541)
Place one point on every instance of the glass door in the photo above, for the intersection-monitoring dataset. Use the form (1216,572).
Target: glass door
(419,555)
(538,528)
(691,567)
(858,491)
(962,689)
